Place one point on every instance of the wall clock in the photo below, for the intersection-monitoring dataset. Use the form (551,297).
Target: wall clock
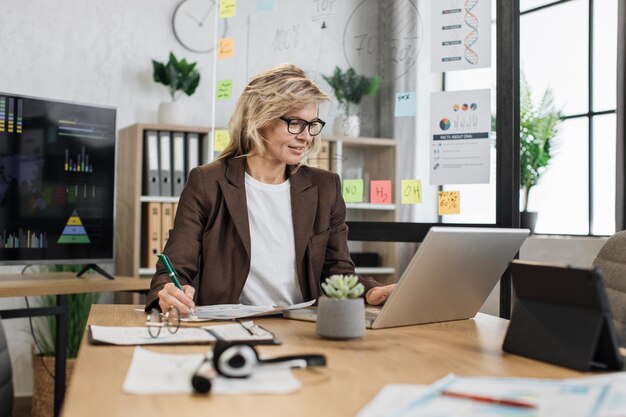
(194,25)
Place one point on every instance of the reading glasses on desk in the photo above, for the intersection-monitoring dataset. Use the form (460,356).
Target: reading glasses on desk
(156,320)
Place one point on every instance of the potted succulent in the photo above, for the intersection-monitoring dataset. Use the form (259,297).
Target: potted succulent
(43,355)
(350,88)
(179,77)
(341,313)
(538,126)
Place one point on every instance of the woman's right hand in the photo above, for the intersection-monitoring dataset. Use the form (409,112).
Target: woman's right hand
(170,296)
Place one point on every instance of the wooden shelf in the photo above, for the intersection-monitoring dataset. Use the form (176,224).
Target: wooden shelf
(370,206)
(128,227)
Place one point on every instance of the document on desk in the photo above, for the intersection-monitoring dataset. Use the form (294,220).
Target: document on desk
(163,373)
(593,396)
(237,311)
(117,335)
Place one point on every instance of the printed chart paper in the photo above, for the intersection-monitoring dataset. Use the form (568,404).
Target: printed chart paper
(461,34)
(460,122)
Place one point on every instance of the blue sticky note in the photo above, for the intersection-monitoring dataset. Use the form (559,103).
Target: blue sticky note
(406,105)
(264,5)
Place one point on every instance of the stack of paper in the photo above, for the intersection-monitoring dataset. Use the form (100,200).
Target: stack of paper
(602,396)
(236,311)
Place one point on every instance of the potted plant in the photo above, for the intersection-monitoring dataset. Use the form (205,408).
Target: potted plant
(43,357)
(179,77)
(341,313)
(538,126)
(349,88)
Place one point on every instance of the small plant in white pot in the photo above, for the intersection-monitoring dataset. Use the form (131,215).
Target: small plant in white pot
(350,88)
(341,313)
(179,77)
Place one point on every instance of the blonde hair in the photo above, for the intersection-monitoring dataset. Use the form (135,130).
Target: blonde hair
(268,96)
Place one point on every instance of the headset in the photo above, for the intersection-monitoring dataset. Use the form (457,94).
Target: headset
(240,360)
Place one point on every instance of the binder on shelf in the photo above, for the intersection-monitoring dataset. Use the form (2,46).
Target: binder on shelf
(193,152)
(178,163)
(151,164)
(167,222)
(152,234)
(165,163)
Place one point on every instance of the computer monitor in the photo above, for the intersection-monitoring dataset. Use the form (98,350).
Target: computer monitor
(57,177)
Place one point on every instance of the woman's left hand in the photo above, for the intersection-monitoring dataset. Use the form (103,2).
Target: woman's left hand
(378,295)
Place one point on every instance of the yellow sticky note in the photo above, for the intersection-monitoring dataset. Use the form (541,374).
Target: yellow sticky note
(224,89)
(353,191)
(221,139)
(225,48)
(227,8)
(411,191)
(449,202)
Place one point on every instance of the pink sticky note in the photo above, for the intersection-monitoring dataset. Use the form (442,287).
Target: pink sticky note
(380,192)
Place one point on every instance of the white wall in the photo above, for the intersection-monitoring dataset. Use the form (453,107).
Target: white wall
(96,52)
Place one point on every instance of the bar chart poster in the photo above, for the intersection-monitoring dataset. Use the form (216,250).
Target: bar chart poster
(461,34)
(460,123)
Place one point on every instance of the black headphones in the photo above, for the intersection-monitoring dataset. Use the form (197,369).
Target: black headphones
(240,360)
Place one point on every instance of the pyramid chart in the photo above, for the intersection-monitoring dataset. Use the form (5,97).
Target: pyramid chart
(74,232)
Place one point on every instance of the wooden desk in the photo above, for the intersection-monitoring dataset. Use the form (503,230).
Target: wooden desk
(60,284)
(356,370)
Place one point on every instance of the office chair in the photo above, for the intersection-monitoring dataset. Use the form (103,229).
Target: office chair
(612,261)
(6,376)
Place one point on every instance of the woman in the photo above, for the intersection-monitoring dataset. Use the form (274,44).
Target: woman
(260,228)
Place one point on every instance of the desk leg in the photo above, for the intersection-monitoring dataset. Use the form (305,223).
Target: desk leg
(60,345)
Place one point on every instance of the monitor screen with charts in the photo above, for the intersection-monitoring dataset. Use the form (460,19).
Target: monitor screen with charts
(450,276)
(57,176)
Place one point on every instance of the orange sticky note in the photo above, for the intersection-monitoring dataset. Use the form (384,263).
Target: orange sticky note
(222,138)
(411,191)
(449,202)
(225,48)
(380,192)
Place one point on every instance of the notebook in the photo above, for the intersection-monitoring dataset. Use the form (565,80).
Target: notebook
(449,278)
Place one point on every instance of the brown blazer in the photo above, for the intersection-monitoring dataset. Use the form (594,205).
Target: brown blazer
(211,233)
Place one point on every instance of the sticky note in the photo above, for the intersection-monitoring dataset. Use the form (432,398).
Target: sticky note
(380,192)
(221,139)
(264,5)
(224,89)
(227,8)
(353,191)
(225,48)
(449,202)
(411,191)
(405,105)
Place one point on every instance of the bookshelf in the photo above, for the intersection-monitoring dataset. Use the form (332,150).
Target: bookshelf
(131,195)
(368,159)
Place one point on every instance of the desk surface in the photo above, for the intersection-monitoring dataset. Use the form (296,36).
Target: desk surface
(16,285)
(356,370)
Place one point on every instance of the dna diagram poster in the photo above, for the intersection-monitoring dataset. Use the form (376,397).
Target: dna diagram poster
(461,34)
(460,146)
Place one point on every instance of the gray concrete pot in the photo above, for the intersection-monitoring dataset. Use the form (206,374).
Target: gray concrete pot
(340,318)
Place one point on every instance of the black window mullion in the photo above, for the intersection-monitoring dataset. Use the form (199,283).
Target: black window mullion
(590,119)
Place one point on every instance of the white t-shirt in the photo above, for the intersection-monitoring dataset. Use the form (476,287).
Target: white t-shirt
(272,279)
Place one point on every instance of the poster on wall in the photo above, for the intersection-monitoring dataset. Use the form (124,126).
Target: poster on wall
(461,34)
(460,122)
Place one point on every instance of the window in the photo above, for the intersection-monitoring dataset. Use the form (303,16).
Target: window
(571,47)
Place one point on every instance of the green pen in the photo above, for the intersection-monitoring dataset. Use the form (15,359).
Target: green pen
(170,269)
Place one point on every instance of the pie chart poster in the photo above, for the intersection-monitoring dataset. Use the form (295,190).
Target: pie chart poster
(460,122)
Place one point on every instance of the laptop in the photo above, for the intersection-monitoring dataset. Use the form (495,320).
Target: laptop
(449,278)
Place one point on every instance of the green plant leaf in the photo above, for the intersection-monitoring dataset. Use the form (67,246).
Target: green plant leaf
(177,75)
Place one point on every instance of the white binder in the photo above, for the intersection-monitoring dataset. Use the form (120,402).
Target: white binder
(165,163)
(151,164)
(193,152)
(178,163)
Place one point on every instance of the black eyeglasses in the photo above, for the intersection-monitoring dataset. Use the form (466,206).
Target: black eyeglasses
(296,126)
